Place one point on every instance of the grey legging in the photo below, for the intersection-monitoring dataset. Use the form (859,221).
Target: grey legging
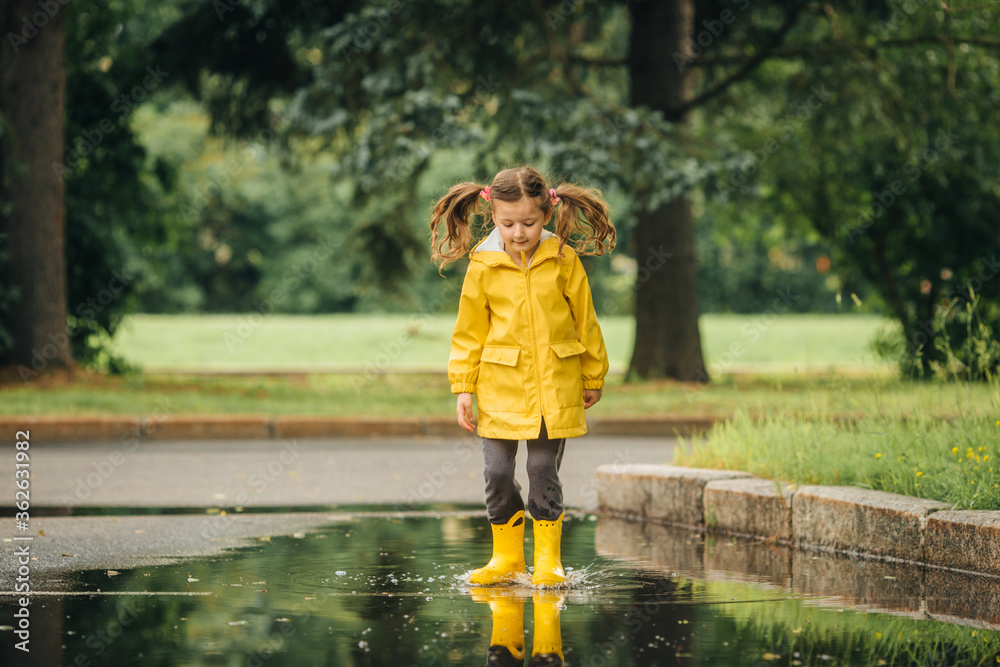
(503,492)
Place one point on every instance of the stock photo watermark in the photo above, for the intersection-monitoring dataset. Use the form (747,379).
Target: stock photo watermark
(713,29)
(751,333)
(22,554)
(86,485)
(290,281)
(258,481)
(86,314)
(902,10)
(88,140)
(913,169)
(221,178)
(48,9)
(786,127)
(989,267)
(391,351)
(441,136)
(364,36)
(434,480)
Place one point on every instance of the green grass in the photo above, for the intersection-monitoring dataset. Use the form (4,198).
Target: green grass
(406,342)
(954,461)
(428,395)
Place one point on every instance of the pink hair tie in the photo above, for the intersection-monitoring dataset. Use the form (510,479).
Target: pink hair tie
(485,193)
(553,196)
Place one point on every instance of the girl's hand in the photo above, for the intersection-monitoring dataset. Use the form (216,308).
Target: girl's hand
(591,396)
(464,410)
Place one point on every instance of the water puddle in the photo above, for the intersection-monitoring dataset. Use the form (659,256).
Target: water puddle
(392,590)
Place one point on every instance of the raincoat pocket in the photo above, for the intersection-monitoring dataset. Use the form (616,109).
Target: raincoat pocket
(567,376)
(500,387)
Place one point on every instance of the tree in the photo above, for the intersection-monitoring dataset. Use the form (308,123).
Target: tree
(116,203)
(32,224)
(667,341)
(617,96)
(902,186)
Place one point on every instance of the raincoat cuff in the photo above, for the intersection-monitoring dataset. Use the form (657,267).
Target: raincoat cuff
(593,384)
(463,388)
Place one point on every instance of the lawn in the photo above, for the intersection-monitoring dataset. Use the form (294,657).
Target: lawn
(396,343)
(394,365)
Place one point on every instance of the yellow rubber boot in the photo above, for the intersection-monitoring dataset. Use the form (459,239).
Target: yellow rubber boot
(508,554)
(548,542)
(546,642)
(507,637)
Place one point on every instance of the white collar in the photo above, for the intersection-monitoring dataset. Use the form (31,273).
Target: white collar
(494,242)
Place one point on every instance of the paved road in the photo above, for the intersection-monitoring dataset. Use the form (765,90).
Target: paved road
(294,473)
(400,473)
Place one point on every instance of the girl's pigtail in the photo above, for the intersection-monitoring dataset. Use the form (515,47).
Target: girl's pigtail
(582,219)
(454,210)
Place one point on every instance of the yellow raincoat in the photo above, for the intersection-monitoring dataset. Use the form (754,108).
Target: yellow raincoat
(527,341)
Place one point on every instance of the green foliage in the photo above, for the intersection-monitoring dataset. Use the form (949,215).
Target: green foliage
(952,460)
(962,333)
(902,186)
(114,197)
(782,166)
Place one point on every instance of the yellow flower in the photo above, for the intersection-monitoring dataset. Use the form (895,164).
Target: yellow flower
(954,450)
(878,456)
(919,473)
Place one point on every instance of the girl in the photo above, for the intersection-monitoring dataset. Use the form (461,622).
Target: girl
(527,344)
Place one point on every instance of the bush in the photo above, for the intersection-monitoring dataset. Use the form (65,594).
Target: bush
(965,346)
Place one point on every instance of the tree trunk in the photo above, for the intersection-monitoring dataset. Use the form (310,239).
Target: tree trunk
(667,340)
(32,101)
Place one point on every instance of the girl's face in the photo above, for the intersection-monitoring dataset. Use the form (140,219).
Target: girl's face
(520,224)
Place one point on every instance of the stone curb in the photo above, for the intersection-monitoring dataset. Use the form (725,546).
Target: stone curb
(243,427)
(872,524)
(846,582)
(964,539)
(670,494)
(750,507)
(848,519)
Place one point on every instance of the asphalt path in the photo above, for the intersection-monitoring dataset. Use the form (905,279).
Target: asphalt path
(330,478)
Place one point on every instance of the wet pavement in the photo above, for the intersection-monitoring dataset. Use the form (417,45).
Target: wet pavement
(377,588)
(358,553)
(224,484)
(256,473)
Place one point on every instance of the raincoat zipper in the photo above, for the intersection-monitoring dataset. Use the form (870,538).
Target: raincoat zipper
(534,336)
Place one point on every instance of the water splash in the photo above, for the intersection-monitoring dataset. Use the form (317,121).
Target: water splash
(588,584)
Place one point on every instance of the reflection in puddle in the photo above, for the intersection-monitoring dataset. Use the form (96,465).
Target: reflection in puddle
(381,590)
